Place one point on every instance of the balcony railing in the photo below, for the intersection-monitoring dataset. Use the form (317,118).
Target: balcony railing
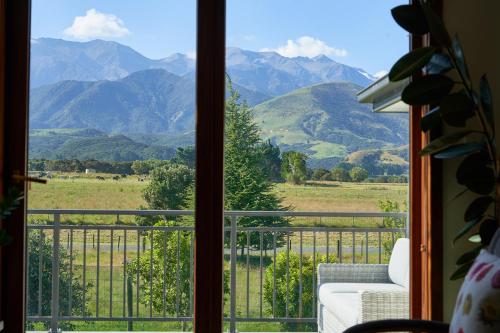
(99,258)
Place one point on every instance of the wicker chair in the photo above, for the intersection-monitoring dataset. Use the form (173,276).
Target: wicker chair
(349,294)
(462,320)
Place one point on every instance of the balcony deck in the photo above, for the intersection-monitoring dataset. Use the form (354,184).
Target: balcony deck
(97,257)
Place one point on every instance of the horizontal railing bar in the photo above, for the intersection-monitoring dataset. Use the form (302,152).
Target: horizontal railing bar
(227,213)
(109,227)
(75,318)
(169,319)
(227,229)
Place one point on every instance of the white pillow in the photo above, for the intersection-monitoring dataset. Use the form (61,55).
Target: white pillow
(399,264)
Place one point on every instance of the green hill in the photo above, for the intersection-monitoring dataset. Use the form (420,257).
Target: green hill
(88,144)
(327,123)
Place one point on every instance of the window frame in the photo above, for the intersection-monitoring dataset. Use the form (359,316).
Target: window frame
(425,181)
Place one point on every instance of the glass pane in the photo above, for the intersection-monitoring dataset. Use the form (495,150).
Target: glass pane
(112,130)
(316,157)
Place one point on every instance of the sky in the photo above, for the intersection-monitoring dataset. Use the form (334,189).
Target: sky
(359,33)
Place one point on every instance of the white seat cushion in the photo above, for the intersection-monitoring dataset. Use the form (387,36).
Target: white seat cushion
(345,299)
(399,264)
(330,288)
(346,304)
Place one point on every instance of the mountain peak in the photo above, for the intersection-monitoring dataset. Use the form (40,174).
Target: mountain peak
(322,58)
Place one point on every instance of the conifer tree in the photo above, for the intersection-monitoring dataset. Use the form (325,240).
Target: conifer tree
(247,186)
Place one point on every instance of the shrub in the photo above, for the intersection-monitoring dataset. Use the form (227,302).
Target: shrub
(41,247)
(391,223)
(294,295)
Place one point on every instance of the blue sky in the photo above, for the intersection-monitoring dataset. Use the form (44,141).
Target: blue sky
(359,33)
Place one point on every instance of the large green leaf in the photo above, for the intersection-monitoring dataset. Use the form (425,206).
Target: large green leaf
(411,63)
(476,174)
(461,272)
(431,120)
(427,89)
(468,227)
(436,27)
(456,108)
(440,63)
(460,150)
(469,256)
(444,142)
(460,57)
(477,208)
(487,230)
(411,18)
(486,99)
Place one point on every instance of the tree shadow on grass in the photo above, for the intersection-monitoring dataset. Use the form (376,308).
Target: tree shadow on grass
(318,184)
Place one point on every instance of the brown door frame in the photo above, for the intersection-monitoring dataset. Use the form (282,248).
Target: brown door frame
(426,230)
(14,78)
(209,201)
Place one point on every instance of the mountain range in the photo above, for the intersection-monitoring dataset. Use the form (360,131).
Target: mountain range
(54,60)
(306,104)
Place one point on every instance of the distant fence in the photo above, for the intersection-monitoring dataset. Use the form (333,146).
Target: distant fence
(96,256)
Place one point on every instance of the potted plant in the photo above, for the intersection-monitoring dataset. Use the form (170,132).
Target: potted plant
(466,115)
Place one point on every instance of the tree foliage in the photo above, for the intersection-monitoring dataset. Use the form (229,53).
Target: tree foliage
(358,174)
(146,166)
(169,187)
(321,174)
(247,186)
(40,256)
(185,156)
(293,167)
(391,223)
(271,161)
(300,304)
(340,174)
(171,279)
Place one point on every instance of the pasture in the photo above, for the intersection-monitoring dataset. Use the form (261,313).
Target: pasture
(86,192)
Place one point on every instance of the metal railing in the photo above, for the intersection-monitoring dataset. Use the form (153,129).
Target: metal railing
(132,273)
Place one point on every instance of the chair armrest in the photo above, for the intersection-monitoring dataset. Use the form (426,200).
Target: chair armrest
(377,305)
(392,325)
(353,273)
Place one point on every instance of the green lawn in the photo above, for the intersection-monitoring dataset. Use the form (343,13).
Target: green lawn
(86,192)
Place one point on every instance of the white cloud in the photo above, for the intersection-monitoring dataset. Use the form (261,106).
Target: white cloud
(307,46)
(96,25)
(191,55)
(381,73)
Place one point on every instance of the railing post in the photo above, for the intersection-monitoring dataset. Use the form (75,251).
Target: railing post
(55,275)
(232,318)
(130,304)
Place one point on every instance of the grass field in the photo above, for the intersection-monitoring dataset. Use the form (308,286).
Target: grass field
(86,192)
(90,193)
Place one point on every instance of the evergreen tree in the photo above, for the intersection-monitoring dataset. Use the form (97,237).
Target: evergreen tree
(247,187)
(271,161)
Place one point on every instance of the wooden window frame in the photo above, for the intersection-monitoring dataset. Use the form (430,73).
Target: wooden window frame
(425,189)
(426,212)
